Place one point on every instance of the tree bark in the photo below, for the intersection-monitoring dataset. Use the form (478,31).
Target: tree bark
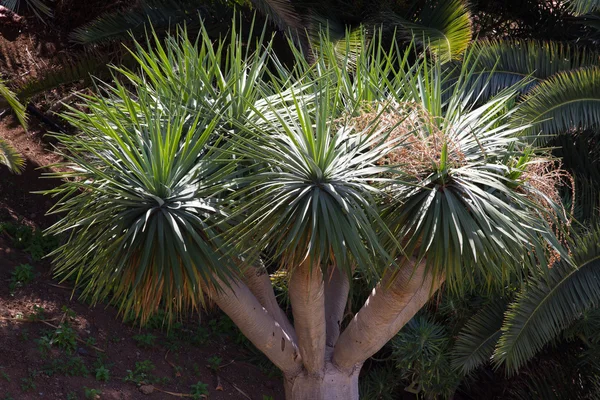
(333,384)
(337,286)
(393,302)
(238,302)
(259,283)
(306,291)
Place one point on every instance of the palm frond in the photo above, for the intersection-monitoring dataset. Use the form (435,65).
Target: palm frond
(546,307)
(160,14)
(10,157)
(507,62)
(476,341)
(580,7)
(13,103)
(39,7)
(567,101)
(443,26)
(282,13)
(82,69)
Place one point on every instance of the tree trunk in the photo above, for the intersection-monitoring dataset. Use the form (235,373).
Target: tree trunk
(333,384)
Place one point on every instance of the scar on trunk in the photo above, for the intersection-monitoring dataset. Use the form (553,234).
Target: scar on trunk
(282,344)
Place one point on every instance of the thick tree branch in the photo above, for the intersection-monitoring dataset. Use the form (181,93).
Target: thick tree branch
(393,302)
(258,326)
(337,286)
(259,284)
(306,291)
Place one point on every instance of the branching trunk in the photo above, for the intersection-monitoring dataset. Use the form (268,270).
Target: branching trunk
(337,286)
(259,326)
(333,384)
(260,285)
(393,302)
(306,291)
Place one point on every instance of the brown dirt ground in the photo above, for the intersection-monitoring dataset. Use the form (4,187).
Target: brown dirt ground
(25,50)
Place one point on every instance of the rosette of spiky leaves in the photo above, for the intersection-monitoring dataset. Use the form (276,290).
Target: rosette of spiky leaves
(314,194)
(217,78)
(140,204)
(469,214)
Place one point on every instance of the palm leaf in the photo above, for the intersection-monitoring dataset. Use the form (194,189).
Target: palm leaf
(282,13)
(507,62)
(568,100)
(9,157)
(160,14)
(74,71)
(39,8)
(579,7)
(546,307)
(443,26)
(476,341)
(13,103)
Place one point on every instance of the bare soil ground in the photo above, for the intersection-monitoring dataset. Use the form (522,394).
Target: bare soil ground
(39,361)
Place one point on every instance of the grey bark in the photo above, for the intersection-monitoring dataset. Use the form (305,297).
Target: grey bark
(306,291)
(392,303)
(337,286)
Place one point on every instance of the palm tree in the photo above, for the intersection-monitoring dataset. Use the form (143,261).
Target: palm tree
(214,164)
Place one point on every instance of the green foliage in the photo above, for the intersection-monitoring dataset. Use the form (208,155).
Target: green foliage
(19,109)
(380,383)
(421,351)
(580,7)
(92,394)
(3,375)
(442,26)
(41,10)
(199,390)
(568,100)
(142,373)
(32,241)
(102,374)
(546,307)
(67,366)
(65,337)
(23,274)
(145,341)
(10,157)
(214,363)
(28,383)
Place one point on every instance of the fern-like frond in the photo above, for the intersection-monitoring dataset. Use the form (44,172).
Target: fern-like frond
(580,7)
(546,306)
(88,65)
(475,343)
(443,26)
(39,8)
(10,157)
(161,14)
(13,102)
(568,100)
(514,60)
(282,13)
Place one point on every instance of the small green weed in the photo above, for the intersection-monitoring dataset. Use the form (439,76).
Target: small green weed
(39,313)
(199,390)
(214,363)
(28,383)
(22,275)
(4,375)
(145,341)
(71,396)
(92,394)
(65,338)
(102,374)
(71,366)
(141,373)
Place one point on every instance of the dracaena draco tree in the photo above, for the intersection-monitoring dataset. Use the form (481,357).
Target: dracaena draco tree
(213,160)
